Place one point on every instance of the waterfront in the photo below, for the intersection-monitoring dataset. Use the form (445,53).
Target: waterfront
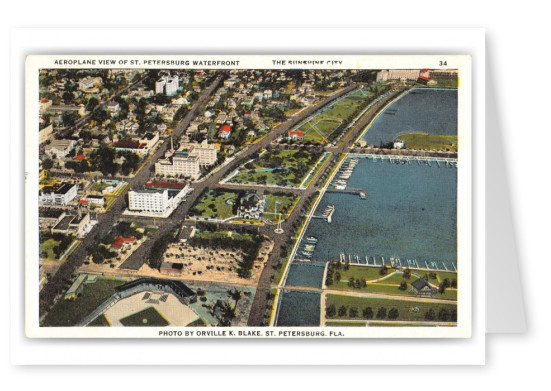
(409,213)
(432,111)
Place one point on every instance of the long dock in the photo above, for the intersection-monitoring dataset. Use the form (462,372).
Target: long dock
(349,190)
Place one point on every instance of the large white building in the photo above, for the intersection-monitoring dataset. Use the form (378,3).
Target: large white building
(157,197)
(208,153)
(179,163)
(144,199)
(57,195)
(167,85)
(398,74)
(60,148)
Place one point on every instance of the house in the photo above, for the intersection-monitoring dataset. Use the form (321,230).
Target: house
(134,146)
(60,148)
(426,81)
(251,205)
(120,242)
(113,107)
(296,135)
(222,117)
(423,288)
(224,132)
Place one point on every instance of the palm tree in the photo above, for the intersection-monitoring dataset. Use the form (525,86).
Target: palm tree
(235,295)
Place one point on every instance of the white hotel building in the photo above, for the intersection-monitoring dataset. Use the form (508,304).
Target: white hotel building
(145,199)
(167,85)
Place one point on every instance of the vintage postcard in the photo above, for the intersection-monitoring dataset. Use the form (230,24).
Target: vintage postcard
(231,196)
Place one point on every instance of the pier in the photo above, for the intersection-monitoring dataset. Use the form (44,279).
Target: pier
(349,190)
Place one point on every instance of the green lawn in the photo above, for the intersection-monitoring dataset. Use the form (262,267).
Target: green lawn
(148,317)
(48,248)
(406,309)
(215,203)
(286,203)
(70,312)
(279,167)
(429,141)
(390,283)
(344,324)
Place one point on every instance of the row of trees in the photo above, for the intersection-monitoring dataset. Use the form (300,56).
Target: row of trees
(367,312)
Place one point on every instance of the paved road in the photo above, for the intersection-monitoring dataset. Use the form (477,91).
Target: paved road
(258,308)
(56,283)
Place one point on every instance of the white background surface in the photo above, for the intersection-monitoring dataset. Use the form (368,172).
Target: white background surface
(517,54)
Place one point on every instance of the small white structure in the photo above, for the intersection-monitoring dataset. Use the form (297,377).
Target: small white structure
(399,144)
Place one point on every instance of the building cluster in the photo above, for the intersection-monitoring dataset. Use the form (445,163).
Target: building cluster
(188,160)
(423,76)
(243,104)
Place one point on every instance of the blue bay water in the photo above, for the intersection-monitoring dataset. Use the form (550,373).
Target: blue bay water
(431,111)
(297,308)
(410,212)
(308,275)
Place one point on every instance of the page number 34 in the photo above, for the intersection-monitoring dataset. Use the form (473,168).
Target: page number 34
(443,63)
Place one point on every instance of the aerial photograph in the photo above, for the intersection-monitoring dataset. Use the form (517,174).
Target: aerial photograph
(248,197)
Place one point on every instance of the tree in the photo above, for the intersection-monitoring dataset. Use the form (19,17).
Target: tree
(235,295)
(430,315)
(47,163)
(367,313)
(403,286)
(342,311)
(443,315)
(331,311)
(407,273)
(381,313)
(69,118)
(393,314)
(92,103)
(353,312)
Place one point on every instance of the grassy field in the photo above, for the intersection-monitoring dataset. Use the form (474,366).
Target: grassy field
(70,312)
(345,324)
(281,167)
(389,284)
(215,204)
(286,204)
(320,127)
(148,317)
(406,309)
(429,141)
(47,247)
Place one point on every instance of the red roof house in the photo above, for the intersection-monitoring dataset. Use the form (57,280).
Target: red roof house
(225,131)
(296,135)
